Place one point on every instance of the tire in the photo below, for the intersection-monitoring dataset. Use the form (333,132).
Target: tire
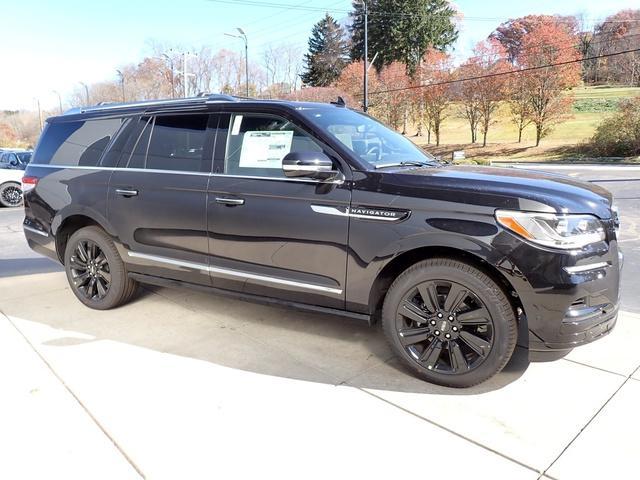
(11,194)
(96,273)
(449,323)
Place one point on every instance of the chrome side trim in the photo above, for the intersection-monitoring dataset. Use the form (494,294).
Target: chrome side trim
(35,230)
(586,268)
(327,210)
(235,273)
(339,181)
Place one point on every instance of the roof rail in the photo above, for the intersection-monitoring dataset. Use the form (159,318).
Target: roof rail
(200,98)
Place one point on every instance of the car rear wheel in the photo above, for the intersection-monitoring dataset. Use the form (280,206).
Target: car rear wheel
(95,271)
(10,194)
(449,323)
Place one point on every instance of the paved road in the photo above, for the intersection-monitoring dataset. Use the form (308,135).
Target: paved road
(180,384)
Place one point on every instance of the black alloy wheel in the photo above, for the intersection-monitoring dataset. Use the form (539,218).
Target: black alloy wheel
(11,195)
(449,322)
(445,327)
(96,273)
(90,270)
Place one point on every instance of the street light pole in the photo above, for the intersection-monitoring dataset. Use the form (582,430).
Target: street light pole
(173,90)
(365,103)
(86,91)
(243,36)
(121,75)
(59,100)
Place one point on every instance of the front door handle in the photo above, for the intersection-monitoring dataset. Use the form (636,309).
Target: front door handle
(127,192)
(230,201)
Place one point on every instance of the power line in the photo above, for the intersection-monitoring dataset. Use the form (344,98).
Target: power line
(499,74)
(288,6)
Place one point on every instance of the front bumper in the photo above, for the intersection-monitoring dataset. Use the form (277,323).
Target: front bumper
(569,298)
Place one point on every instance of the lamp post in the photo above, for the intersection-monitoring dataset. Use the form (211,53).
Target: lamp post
(170,60)
(121,75)
(59,100)
(86,91)
(243,36)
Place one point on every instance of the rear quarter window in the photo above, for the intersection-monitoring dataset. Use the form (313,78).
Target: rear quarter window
(79,143)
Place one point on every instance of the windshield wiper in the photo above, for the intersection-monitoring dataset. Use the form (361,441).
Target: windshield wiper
(405,164)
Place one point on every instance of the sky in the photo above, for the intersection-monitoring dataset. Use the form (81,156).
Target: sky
(51,46)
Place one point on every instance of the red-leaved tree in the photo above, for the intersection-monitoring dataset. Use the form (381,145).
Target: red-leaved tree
(545,45)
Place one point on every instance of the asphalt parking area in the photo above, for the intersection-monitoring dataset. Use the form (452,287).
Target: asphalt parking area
(181,384)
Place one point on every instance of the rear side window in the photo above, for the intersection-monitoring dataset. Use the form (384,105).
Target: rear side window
(170,142)
(78,143)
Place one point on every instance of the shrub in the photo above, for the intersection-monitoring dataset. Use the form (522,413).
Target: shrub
(619,135)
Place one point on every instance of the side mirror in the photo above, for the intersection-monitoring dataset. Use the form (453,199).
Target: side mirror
(314,165)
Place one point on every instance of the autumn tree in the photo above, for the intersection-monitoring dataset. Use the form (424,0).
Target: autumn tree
(483,87)
(393,106)
(351,82)
(433,92)
(467,95)
(328,53)
(403,30)
(543,46)
(616,33)
(512,33)
(519,102)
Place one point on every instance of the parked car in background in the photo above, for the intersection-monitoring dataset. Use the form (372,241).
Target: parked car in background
(320,207)
(13,159)
(10,187)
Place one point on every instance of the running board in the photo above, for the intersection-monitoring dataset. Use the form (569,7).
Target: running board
(165,282)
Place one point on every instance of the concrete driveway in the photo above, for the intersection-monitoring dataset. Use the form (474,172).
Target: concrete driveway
(180,384)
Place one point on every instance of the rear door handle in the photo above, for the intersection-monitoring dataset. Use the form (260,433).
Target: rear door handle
(127,192)
(230,201)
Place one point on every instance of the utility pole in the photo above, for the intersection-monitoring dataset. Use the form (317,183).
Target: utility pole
(59,100)
(39,114)
(86,91)
(185,75)
(121,75)
(365,103)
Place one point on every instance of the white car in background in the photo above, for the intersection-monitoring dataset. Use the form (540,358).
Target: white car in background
(11,187)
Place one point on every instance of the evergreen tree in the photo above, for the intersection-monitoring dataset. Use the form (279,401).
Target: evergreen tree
(328,53)
(402,30)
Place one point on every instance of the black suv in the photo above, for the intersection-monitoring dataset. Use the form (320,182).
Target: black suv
(321,207)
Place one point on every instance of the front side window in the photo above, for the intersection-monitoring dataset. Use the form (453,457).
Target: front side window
(172,142)
(367,138)
(257,143)
(79,143)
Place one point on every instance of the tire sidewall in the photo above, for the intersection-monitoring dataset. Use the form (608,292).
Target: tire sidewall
(116,267)
(494,299)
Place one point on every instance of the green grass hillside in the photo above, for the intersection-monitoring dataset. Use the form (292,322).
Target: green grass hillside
(591,106)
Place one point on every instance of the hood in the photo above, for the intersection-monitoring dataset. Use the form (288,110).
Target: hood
(511,188)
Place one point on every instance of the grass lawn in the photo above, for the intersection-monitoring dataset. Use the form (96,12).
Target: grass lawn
(563,143)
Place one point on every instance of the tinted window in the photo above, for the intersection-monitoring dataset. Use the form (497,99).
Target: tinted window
(256,144)
(173,142)
(75,143)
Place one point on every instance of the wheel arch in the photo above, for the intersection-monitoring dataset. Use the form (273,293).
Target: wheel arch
(71,224)
(401,262)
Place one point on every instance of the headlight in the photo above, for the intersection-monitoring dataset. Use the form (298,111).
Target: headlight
(553,230)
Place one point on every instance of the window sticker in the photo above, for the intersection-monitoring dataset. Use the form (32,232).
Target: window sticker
(265,149)
(237,123)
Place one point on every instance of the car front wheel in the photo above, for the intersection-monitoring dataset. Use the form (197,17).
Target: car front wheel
(449,322)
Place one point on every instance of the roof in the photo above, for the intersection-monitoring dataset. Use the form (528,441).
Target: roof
(202,99)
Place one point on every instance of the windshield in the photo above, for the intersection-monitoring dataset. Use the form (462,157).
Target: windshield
(369,139)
